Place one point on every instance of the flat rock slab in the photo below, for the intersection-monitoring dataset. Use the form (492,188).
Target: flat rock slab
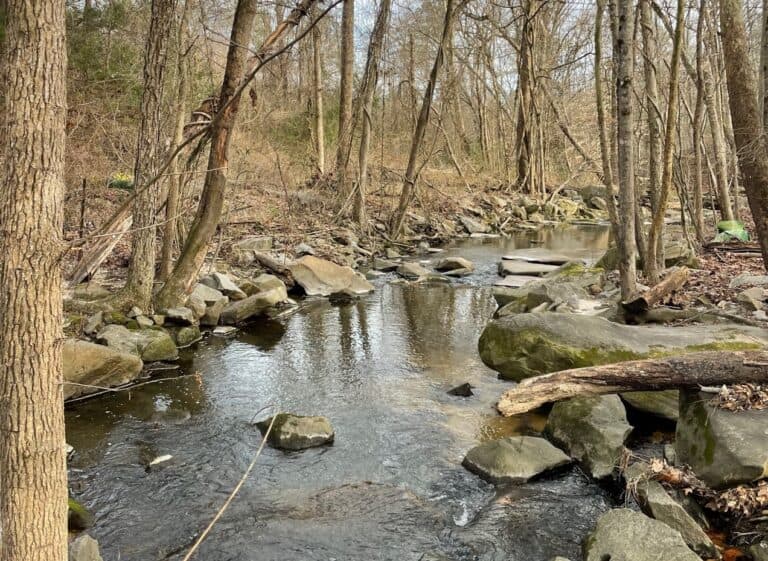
(724,448)
(514,459)
(625,535)
(592,430)
(536,255)
(319,277)
(518,267)
(514,281)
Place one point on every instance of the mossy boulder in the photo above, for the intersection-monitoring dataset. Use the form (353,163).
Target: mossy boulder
(570,280)
(150,344)
(79,518)
(724,448)
(186,336)
(525,345)
(592,430)
(660,404)
(295,432)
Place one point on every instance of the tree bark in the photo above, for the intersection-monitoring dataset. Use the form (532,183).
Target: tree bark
(364,105)
(687,371)
(141,271)
(747,120)
(409,183)
(347,65)
(317,98)
(675,280)
(33,477)
(764,66)
(623,49)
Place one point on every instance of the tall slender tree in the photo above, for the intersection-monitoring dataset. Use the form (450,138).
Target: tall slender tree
(33,477)
(347,67)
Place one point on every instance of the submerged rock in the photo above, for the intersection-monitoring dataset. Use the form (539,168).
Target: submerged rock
(524,345)
(319,277)
(412,271)
(84,548)
(464,390)
(659,504)
(450,264)
(662,404)
(295,432)
(724,448)
(592,430)
(96,365)
(150,344)
(514,459)
(624,535)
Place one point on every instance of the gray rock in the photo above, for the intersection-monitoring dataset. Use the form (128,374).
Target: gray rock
(625,535)
(244,251)
(392,253)
(96,365)
(662,403)
(749,280)
(254,305)
(752,298)
(538,255)
(144,322)
(524,268)
(225,331)
(434,556)
(207,294)
(90,291)
(223,284)
(149,344)
(213,312)
(724,448)
(530,296)
(514,459)
(384,265)
(179,316)
(524,345)
(598,203)
(473,226)
(197,305)
(453,264)
(592,430)
(304,249)
(135,312)
(94,324)
(294,432)
(656,502)
(84,548)
(186,336)
(319,277)
(412,271)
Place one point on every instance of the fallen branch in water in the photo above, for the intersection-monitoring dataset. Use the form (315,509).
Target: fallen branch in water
(686,371)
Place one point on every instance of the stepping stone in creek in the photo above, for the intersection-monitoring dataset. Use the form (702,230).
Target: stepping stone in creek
(525,268)
(514,459)
(536,255)
(514,281)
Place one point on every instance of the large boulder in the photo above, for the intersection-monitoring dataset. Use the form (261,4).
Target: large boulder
(96,365)
(724,448)
(568,281)
(84,548)
(656,502)
(268,292)
(524,345)
(514,459)
(150,344)
(294,432)
(592,430)
(319,277)
(625,535)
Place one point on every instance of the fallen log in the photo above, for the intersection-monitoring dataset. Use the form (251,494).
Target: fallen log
(675,279)
(280,270)
(692,370)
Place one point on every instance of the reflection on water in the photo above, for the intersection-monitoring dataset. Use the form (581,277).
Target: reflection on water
(379,368)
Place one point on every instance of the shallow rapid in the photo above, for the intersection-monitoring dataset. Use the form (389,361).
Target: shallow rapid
(391,487)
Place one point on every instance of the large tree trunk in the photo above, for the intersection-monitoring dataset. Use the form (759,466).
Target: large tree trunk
(623,52)
(365,105)
(655,261)
(317,98)
(184,274)
(409,183)
(149,151)
(764,66)
(33,477)
(345,98)
(747,120)
(687,371)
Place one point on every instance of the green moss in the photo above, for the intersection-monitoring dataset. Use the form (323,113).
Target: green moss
(117,318)
(78,517)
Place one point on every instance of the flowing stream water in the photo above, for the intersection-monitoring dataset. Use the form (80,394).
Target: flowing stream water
(391,487)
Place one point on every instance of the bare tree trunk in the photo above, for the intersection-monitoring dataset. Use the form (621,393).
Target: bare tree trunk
(141,272)
(526,129)
(623,49)
(747,119)
(176,180)
(184,274)
(409,183)
(650,55)
(655,261)
(317,98)
(344,147)
(764,66)
(364,105)
(698,125)
(33,476)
